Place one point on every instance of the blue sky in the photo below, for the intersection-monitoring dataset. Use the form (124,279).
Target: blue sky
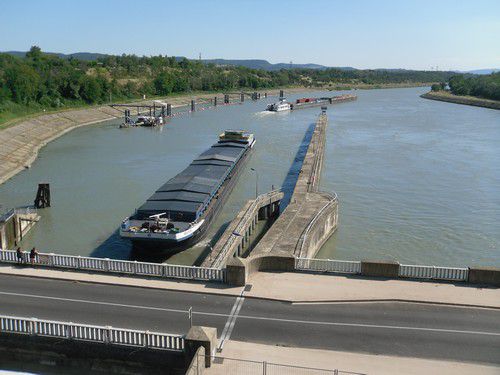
(363,34)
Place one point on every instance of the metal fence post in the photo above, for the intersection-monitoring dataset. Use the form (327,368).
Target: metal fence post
(264,368)
(190,316)
(107,335)
(51,259)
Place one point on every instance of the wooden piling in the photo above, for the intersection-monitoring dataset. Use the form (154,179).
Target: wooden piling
(42,199)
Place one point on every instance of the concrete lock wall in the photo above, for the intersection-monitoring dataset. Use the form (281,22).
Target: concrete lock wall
(380,269)
(46,354)
(197,366)
(484,275)
(197,337)
(239,271)
(322,228)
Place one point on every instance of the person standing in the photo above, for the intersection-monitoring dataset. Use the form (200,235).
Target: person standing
(33,254)
(19,254)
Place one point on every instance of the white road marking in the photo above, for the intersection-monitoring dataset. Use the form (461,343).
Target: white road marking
(235,313)
(228,328)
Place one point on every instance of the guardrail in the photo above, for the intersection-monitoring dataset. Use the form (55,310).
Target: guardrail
(305,235)
(328,265)
(404,270)
(433,272)
(86,332)
(118,266)
(260,201)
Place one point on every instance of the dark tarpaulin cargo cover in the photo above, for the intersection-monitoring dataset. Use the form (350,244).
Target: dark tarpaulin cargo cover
(185,195)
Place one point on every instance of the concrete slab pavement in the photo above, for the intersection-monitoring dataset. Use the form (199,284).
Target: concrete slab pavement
(330,360)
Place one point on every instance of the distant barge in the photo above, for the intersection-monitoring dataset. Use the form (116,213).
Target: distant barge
(284,105)
(178,214)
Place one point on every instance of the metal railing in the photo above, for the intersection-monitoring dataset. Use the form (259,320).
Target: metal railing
(118,266)
(328,265)
(405,270)
(333,199)
(433,272)
(230,366)
(86,332)
(260,201)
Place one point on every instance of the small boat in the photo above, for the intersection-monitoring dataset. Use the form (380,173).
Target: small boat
(282,105)
(149,121)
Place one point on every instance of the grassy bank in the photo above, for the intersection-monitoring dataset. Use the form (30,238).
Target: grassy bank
(459,99)
(13,113)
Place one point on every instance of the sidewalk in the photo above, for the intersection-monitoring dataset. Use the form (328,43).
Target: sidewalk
(296,287)
(305,287)
(330,360)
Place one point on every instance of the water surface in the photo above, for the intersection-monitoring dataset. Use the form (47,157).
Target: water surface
(418,180)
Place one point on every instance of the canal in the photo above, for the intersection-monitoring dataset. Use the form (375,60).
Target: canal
(418,180)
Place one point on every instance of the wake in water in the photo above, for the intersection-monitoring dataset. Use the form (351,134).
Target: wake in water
(264,113)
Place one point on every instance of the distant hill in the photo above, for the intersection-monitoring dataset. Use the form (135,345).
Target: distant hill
(266,65)
(86,56)
(483,71)
(251,63)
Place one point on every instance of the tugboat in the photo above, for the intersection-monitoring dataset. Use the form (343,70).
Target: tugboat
(178,214)
(282,105)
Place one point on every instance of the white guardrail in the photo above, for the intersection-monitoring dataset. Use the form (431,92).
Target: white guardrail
(328,265)
(118,266)
(405,270)
(85,332)
(433,272)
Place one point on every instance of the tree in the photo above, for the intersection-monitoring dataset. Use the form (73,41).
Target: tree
(35,53)
(163,84)
(436,87)
(23,82)
(90,90)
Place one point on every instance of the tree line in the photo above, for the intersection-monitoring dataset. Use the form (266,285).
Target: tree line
(484,86)
(46,81)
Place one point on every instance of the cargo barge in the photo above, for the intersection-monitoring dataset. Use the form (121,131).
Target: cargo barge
(283,105)
(179,213)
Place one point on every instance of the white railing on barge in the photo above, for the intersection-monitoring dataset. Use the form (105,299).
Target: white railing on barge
(86,332)
(118,266)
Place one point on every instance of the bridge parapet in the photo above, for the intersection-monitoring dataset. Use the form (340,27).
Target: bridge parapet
(86,332)
(115,266)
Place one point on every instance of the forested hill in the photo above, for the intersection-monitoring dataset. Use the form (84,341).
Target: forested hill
(41,81)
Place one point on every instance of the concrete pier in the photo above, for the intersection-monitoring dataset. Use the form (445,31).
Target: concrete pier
(236,238)
(15,224)
(311,216)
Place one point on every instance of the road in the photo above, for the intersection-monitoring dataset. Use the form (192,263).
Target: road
(402,329)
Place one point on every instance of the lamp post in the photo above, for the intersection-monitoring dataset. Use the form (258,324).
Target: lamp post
(256,182)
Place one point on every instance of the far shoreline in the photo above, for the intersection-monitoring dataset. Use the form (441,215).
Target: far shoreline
(458,99)
(38,130)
